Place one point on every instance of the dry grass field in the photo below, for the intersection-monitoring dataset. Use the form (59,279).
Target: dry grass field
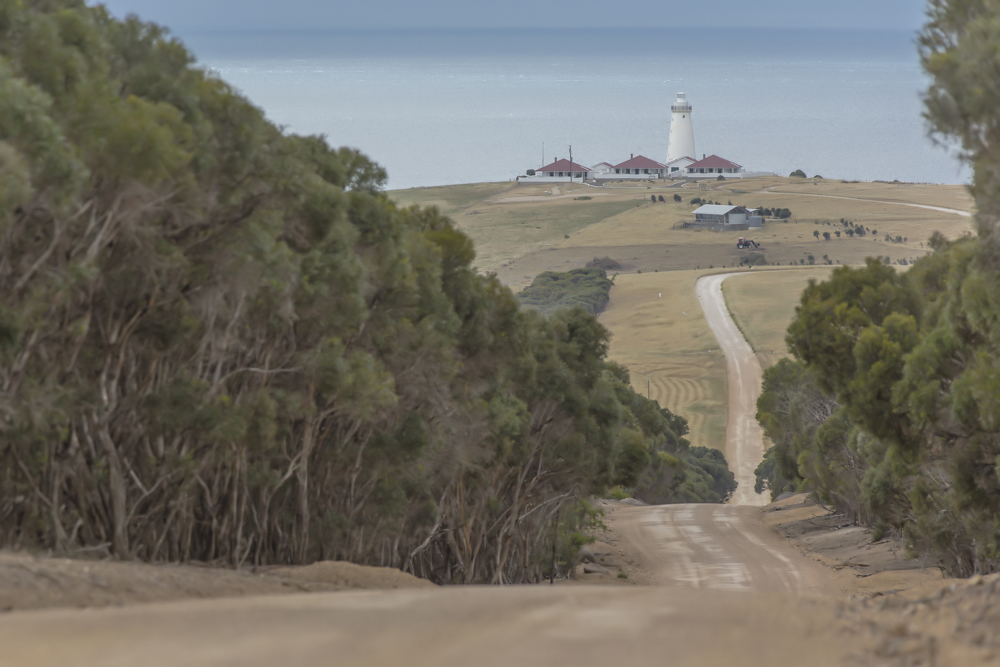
(668,338)
(451,199)
(522,230)
(945,196)
(783,241)
(763,305)
(509,222)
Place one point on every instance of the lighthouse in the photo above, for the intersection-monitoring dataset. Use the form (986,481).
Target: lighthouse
(681,130)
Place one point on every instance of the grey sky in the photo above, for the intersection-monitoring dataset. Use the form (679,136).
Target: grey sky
(195,15)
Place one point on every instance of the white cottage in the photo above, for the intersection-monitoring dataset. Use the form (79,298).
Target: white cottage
(560,171)
(638,166)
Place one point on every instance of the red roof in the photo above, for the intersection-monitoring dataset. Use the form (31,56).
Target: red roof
(714,162)
(640,162)
(564,165)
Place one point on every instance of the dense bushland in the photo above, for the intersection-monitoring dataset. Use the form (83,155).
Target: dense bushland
(891,410)
(223,343)
(550,291)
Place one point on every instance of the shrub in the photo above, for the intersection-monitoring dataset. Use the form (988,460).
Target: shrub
(551,291)
(530,172)
(721,178)
(605,263)
(677,198)
(798,173)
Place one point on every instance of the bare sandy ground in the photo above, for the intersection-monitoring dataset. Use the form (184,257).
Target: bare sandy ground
(744,438)
(36,582)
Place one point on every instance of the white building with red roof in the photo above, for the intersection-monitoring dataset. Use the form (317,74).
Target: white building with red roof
(712,167)
(638,167)
(560,171)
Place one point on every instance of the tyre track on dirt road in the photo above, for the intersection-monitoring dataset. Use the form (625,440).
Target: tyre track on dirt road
(744,438)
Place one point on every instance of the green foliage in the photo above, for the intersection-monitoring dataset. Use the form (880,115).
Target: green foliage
(754,259)
(798,173)
(889,412)
(618,493)
(585,288)
(769,477)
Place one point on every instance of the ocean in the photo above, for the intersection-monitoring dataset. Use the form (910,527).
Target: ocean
(445,107)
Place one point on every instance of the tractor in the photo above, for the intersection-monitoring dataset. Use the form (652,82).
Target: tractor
(746,243)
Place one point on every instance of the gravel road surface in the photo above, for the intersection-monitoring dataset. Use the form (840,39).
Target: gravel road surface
(744,438)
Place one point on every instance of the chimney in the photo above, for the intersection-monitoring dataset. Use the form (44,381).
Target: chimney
(703,156)
(631,155)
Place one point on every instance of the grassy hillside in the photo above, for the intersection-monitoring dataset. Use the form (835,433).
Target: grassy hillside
(509,222)
(523,230)
(451,199)
(668,338)
(763,305)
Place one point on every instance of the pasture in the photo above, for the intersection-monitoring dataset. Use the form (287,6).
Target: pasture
(522,230)
(763,305)
(668,338)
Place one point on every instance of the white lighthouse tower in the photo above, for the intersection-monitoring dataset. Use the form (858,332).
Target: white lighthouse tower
(681,131)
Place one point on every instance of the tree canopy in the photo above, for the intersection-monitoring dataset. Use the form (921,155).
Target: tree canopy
(892,409)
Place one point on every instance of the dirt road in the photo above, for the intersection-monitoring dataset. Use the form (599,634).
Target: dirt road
(744,438)
(720,547)
(927,207)
(483,626)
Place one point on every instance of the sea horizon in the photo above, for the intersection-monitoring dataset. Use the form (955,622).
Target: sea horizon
(438,107)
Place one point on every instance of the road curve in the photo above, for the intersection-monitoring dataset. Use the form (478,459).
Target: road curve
(744,438)
(928,207)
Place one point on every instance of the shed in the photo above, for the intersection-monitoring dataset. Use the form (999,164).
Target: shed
(721,215)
